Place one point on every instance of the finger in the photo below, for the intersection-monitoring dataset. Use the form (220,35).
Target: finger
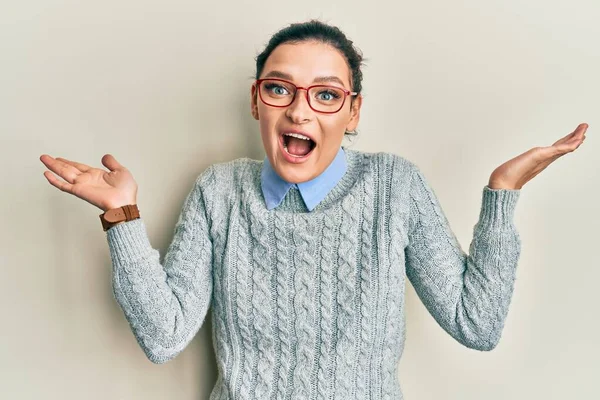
(111,163)
(62,185)
(547,155)
(575,141)
(79,166)
(569,146)
(62,169)
(564,139)
(578,132)
(572,141)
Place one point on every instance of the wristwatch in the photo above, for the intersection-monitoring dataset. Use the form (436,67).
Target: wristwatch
(113,216)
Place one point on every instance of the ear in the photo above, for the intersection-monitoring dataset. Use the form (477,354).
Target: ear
(254,101)
(354,113)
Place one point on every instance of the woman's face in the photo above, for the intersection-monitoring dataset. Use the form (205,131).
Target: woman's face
(303,64)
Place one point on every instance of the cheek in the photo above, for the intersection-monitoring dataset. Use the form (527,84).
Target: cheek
(268,116)
(263,122)
(267,122)
(333,129)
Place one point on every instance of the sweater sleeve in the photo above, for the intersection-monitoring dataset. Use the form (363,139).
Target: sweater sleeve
(165,304)
(468,295)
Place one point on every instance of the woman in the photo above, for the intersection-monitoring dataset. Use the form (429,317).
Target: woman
(304,255)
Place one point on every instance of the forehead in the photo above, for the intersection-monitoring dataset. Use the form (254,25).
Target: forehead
(306,61)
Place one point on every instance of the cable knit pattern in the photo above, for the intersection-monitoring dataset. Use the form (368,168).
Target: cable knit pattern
(326,298)
(240,309)
(284,321)
(394,345)
(310,305)
(345,299)
(261,304)
(304,303)
(366,275)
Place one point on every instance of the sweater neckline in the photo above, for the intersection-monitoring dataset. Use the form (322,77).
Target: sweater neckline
(293,204)
(275,188)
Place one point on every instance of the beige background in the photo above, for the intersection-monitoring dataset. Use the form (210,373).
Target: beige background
(457,87)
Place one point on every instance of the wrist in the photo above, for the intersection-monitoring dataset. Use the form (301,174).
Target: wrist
(119,205)
(115,216)
(501,185)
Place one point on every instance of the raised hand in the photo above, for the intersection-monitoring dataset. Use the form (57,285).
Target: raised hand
(104,189)
(514,173)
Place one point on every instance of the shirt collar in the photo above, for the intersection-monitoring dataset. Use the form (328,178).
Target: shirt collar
(274,188)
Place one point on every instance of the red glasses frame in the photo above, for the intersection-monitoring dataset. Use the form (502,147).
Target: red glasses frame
(346,94)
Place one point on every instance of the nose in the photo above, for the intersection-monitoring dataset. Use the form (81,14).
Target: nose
(299,111)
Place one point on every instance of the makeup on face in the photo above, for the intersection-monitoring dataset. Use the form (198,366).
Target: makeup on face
(299,141)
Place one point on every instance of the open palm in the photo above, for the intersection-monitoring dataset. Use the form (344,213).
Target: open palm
(104,189)
(517,171)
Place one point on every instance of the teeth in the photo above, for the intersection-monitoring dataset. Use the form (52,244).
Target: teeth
(297,135)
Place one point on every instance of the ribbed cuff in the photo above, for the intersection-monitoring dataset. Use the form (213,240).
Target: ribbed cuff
(498,208)
(129,241)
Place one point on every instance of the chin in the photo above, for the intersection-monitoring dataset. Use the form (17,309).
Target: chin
(295,173)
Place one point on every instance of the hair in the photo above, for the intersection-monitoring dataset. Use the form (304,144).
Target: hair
(315,30)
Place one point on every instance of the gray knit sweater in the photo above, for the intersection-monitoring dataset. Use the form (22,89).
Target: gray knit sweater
(310,305)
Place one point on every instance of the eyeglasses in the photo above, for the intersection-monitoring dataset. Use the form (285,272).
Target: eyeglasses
(321,98)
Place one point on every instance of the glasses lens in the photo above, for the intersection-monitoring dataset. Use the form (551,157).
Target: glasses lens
(322,98)
(326,98)
(277,93)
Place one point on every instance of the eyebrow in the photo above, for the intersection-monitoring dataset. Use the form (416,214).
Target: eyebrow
(319,79)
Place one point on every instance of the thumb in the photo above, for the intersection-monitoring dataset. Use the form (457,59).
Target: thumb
(111,163)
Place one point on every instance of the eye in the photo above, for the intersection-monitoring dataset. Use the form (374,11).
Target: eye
(328,95)
(276,89)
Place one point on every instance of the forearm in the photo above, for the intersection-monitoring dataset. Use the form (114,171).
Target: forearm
(467,294)
(164,310)
(491,270)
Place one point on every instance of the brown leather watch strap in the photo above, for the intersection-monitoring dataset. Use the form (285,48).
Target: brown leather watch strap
(120,214)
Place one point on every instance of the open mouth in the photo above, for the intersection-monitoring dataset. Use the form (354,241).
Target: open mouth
(297,145)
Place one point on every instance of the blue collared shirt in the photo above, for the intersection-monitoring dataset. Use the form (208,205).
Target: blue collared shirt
(274,188)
